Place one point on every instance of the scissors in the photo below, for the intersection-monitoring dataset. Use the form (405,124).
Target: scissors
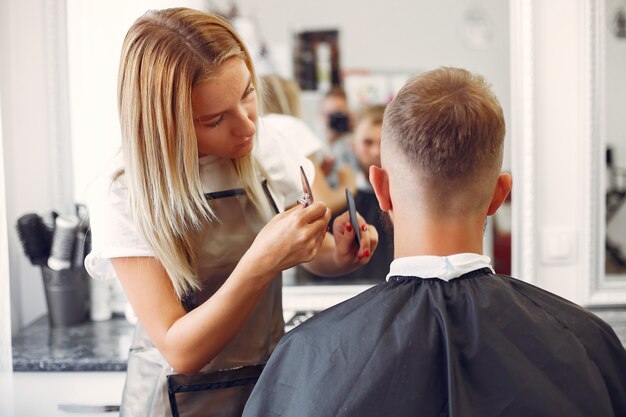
(307,199)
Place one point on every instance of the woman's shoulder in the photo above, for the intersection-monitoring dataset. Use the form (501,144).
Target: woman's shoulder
(109,182)
(114,234)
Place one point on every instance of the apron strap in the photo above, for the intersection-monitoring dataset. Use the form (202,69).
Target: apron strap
(240,191)
(224,194)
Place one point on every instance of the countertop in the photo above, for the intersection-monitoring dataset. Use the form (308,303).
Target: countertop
(103,346)
(92,346)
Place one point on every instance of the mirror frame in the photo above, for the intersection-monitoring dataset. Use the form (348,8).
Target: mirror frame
(594,287)
(601,290)
(522,139)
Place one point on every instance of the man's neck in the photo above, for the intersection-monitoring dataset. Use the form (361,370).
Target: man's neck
(416,235)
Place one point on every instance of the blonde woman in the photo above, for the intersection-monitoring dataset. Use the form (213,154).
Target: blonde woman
(186,219)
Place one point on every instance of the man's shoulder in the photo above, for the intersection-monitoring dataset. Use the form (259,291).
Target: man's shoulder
(579,319)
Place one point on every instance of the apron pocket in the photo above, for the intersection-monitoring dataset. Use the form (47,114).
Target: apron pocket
(220,393)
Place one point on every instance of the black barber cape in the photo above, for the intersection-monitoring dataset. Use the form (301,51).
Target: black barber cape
(479,345)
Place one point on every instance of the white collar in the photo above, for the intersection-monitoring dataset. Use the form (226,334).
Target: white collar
(442,267)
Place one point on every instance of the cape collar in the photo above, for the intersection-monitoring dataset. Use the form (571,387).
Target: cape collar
(442,267)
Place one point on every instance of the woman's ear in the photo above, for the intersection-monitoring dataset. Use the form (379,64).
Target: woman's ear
(380,183)
(503,188)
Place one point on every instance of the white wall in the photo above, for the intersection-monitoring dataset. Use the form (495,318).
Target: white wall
(6,382)
(558,92)
(96,30)
(32,183)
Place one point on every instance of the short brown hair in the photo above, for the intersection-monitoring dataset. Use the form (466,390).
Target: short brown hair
(374,113)
(336,91)
(448,123)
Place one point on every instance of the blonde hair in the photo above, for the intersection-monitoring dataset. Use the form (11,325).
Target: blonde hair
(280,95)
(164,55)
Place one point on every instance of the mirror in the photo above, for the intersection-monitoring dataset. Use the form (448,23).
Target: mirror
(614,28)
(409,37)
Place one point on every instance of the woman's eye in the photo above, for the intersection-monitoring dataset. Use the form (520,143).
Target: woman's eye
(249,91)
(215,123)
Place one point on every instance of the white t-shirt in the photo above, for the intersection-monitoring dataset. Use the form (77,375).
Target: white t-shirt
(115,235)
(300,135)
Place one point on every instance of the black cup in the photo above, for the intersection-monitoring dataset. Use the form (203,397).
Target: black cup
(67,295)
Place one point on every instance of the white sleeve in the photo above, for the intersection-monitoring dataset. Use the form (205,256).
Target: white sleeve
(295,132)
(282,157)
(113,233)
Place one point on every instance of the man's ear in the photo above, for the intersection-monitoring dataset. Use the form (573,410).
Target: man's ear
(503,188)
(380,183)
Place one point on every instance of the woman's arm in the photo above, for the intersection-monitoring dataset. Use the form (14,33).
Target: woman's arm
(188,341)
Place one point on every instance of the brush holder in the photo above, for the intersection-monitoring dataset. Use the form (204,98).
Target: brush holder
(67,295)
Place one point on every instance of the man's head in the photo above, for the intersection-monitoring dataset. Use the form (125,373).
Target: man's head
(367,134)
(442,145)
(336,114)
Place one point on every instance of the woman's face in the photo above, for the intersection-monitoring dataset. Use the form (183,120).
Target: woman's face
(225,110)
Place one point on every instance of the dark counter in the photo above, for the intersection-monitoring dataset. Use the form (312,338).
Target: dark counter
(92,346)
(103,346)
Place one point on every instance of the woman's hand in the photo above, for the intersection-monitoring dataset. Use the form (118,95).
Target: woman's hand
(348,254)
(339,253)
(290,238)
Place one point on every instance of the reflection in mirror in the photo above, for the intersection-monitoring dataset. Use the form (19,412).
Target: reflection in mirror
(615,134)
(409,37)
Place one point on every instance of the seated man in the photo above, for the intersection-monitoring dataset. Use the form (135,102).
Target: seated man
(445,335)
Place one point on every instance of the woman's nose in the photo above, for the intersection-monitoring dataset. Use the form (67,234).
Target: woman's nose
(245,125)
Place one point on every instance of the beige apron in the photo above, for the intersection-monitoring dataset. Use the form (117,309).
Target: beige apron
(223,245)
